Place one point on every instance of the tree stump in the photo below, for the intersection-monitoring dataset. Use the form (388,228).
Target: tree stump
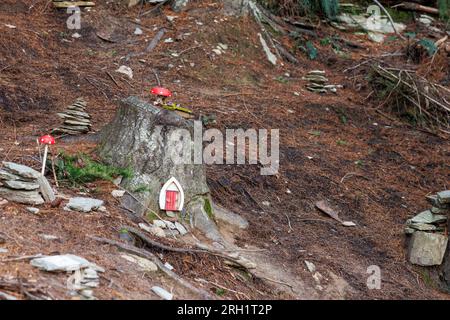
(139,138)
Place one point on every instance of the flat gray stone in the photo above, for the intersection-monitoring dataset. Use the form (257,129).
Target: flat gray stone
(422,226)
(171,233)
(428,217)
(21,170)
(159,224)
(83,204)
(21,185)
(46,189)
(427,249)
(33,210)
(5,175)
(180,228)
(437,210)
(202,221)
(66,262)
(229,217)
(25,197)
(444,196)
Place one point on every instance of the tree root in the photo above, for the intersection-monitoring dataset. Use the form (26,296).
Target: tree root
(150,256)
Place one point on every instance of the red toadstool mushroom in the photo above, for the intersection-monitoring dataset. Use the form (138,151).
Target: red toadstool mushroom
(47,140)
(162,94)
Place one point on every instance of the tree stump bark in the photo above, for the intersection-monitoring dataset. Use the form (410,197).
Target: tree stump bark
(139,137)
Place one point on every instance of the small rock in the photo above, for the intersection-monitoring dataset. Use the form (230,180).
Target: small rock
(126,71)
(156,231)
(3,250)
(83,204)
(266,203)
(33,210)
(170,225)
(102,209)
(160,224)
(168,266)
(223,46)
(422,226)
(118,193)
(171,233)
(171,214)
(217,51)
(349,224)
(409,230)
(48,237)
(76,35)
(428,217)
(311,266)
(90,273)
(144,264)
(180,228)
(87,293)
(437,210)
(67,262)
(162,293)
(138,31)
(427,249)
(443,197)
(117,181)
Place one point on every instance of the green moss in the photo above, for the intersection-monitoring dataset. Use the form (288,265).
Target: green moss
(150,216)
(141,188)
(208,208)
(80,168)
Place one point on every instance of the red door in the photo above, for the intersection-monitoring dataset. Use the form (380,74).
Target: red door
(171,200)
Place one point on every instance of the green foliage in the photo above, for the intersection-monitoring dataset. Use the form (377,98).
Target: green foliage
(329,8)
(220,292)
(311,50)
(429,46)
(444,9)
(208,208)
(315,133)
(341,142)
(141,188)
(80,168)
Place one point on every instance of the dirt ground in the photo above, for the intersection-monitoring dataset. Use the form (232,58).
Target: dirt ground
(375,170)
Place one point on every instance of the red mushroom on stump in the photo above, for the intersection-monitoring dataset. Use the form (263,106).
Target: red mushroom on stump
(47,140)
(161,93)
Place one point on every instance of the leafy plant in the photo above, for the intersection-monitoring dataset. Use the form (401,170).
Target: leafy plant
(341,142)
(220,292)
(80,168)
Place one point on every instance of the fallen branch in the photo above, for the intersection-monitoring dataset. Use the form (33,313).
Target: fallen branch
(153,243)
(416,7)
(148,255)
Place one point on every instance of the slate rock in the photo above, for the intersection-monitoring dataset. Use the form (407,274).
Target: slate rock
(83,204)
(21,170)
(144,264)
(428,217)
(21,185)
(67,262)
(25,197)
(443,196)
(427,249)
(164,294)
(5,175)
(33,210)
(422,226)
(159,223)
(180,228)
(229,217)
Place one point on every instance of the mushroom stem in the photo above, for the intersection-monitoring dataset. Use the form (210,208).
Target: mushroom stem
(44,160)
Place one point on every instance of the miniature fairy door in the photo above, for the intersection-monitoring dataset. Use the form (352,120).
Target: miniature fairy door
(171,200)
(171,197)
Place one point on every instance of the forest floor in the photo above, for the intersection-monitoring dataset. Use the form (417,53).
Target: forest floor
(375,170)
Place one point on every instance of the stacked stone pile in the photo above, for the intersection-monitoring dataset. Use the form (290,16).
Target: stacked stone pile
(318,82)
(22,184)
(429,231)
(75,119)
